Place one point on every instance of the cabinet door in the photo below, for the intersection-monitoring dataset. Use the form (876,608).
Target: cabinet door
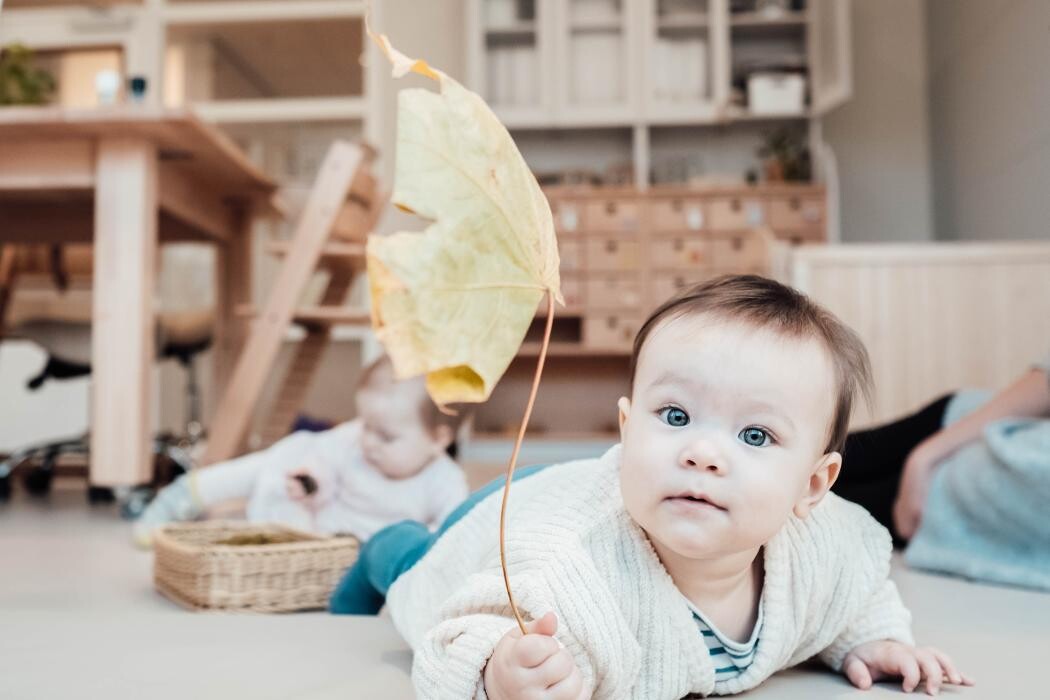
(684,72)
(597,55)
(830,57)
(510,57)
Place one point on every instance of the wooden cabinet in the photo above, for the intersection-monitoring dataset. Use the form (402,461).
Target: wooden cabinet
(572,66)
(624,252)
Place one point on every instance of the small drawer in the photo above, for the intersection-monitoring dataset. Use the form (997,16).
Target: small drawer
(614,292)
(678,214)
(679,252)
(798,237)
(740,253)
(568,216)
(665,285)
(790,212)
(612,253)
(571,254)
(612,215)
(610,331)
(735,213)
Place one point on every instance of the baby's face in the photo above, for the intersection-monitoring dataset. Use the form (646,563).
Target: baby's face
(724,430)
(394,438)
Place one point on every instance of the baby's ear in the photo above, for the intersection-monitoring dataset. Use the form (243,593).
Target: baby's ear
(624,407)
(820,481)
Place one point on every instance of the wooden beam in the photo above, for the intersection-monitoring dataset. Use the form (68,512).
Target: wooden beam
(195,203)
(122,345)
(47,165)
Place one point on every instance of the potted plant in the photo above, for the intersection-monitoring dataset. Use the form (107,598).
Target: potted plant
(785,156)
(21,83)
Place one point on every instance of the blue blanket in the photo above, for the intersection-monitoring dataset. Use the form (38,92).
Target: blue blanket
(988,513)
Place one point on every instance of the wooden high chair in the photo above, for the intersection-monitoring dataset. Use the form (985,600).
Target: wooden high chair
(342,209)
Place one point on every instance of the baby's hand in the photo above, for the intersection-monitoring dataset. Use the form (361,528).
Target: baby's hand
(300,484)
(533,666)
(874,661)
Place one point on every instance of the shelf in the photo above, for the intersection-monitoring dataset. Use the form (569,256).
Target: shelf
(596,25)
(248,11)
(317,315)
(683,21)
(288,109)
(758,19)
(509,30)
(790,26)
(742,114)
(349,252)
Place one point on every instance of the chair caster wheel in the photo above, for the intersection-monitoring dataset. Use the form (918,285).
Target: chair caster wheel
(98,495)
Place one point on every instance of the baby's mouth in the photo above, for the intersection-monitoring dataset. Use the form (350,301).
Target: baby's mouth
(695,500)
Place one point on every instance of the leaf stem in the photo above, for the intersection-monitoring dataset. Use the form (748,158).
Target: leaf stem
(514,459)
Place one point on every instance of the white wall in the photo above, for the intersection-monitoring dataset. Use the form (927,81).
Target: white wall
(990,118)
(880,137)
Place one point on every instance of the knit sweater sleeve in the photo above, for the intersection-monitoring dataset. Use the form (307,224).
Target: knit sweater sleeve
(883,617)
(451,658)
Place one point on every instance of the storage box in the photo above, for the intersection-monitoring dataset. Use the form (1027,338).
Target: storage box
(249,567)
(776,93)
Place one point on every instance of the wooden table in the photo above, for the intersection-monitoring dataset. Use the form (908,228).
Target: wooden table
(125,179)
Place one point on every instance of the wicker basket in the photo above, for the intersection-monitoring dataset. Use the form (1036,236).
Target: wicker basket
(192,568)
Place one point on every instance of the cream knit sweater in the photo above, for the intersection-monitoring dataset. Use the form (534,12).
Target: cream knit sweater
(573,548)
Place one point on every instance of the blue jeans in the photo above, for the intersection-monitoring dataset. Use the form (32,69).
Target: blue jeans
(394,550)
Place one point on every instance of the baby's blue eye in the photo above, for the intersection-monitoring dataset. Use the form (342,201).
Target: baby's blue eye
(756,437)
(675,417)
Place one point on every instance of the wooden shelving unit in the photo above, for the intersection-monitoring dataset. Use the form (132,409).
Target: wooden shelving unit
(633,68)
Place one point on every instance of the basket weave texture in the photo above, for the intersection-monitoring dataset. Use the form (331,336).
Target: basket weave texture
(192,569)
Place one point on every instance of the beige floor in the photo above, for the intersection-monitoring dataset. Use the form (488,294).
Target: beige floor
(79,619)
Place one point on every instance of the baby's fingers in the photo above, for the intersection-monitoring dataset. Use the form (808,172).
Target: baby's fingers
(533,649)
(568,688)
(556,668)
(953,674)
(857,672)
(931,668)
(909,670)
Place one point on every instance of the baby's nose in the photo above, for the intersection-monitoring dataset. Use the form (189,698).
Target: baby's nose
(703,453)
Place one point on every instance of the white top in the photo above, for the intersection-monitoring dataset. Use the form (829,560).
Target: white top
(572,548)
(353,496)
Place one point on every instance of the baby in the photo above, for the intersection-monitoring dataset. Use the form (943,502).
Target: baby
(388,465)
(701,555)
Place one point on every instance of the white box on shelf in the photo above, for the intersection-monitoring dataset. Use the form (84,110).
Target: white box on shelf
(776,93)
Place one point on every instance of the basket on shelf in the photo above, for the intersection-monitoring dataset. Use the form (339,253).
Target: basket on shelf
(249,567)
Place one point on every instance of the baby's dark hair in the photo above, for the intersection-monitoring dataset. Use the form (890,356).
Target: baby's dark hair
(381,372)
(765,303)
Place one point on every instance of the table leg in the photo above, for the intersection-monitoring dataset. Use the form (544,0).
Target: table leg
(122,346)
(233,287)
